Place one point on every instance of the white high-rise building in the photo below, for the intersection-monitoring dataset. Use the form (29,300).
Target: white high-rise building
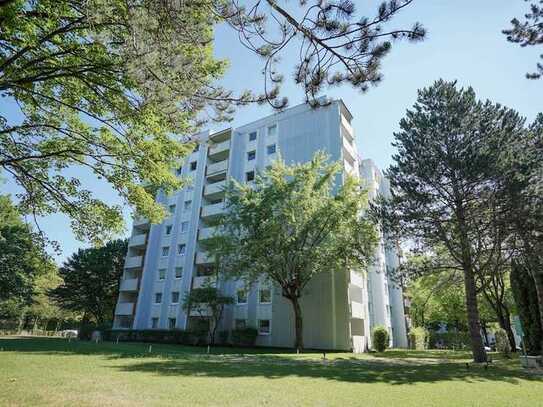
(165,261)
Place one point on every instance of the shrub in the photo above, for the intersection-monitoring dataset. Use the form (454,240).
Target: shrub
(380,338)
(175,336)
(418,338)
(244,337)
(449,340)
(502,342)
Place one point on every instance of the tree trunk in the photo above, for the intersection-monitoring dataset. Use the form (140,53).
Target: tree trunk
(505,324)
(538,278)
(298,324)
(474,324)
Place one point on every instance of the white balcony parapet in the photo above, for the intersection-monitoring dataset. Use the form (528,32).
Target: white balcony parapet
(213,210)
(357,310)
(219,148)
(204,258)
(347,126)
(133,262)
(130,284)
(207,233)
(219,167)
(138,240)
(217,188)
(200,281)
(350,149)
(124,308)
(141,222)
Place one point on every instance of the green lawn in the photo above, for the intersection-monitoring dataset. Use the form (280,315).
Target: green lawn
(45,371)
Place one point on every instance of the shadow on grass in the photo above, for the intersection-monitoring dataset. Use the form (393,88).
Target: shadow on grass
(174,360)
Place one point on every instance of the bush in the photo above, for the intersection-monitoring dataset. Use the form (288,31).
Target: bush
(244,337)
(418,338)
(380,338)
(449,340)
(86,330)
(502,342)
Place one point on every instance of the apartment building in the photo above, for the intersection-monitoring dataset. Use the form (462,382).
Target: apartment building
(165,261)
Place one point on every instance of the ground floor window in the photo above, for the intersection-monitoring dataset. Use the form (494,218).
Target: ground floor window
(240,324)
(171,323)
(154,323)
(264,326)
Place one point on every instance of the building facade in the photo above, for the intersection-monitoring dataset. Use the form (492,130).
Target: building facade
(165,261)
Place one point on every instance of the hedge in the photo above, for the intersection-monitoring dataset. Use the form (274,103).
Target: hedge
(174,336)
(449,340)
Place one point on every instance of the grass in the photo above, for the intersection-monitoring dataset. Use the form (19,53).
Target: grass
(47,371)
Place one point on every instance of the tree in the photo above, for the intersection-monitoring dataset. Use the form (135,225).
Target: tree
(209,304)
(529,32)
(525,295)
(109,85)
(444,183)
(290,227)
(102,85)
(22,257)
(91,281)
(335,45)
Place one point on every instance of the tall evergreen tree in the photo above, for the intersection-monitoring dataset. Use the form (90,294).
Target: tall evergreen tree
(443,181)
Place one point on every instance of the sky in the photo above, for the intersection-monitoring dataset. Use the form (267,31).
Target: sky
(464,43)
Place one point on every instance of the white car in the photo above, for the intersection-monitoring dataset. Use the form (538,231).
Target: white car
(69,333)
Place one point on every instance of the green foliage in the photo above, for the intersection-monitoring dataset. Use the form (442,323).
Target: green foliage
(22,257)
(103,85)
(502,342)
(209,304)
(174,336)
(244,337)
(91,281)
(525,295)
(290,227)
(380,338)
(418,338)
(449,340)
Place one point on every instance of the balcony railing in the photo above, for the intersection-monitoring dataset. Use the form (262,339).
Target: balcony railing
(215,189)
(133,262)
(219,149)
(124,308)
(357,310)
(137,241)
(217,168)
(347,126)
(207,233)
(204,258)
(213,210)
(130,284)
(200,281)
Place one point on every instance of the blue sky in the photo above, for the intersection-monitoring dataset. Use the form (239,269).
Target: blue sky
(464,43)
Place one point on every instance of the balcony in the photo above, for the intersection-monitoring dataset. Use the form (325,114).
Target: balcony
(141,223)
(200,312)
(133,262)
(138,241)
(130,284)
(217,168)
(124,308)
(215,190)
(200,281)
(213,210)
(219,151)
(204,258)
(349,149)
(207,233)
(357,310)
(347,127)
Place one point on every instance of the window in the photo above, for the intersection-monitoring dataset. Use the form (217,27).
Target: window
(250,176)
(184,227)
(264,295)
(154,323)
(241,296)
(161,274)
(171,323)
(158,298)
(178,272)
(264,326)
(181,249)
(271,149)
(165,251)
(272,131)
(193,165)
(175,297)
(168,229)
(251,155)
(179,170)
(187,205)
(196,148)
(252,136)
(172,209)
(240,324)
